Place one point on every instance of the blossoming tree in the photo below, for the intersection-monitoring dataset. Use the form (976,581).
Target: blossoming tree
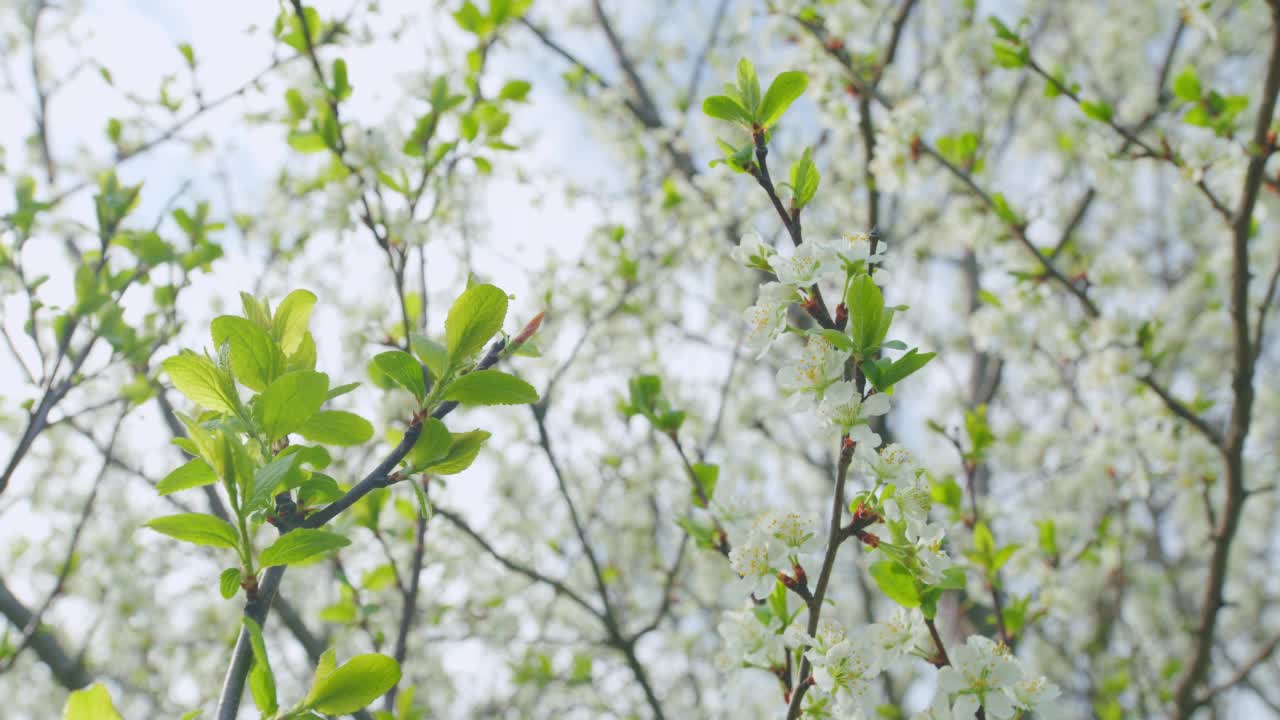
(923,373)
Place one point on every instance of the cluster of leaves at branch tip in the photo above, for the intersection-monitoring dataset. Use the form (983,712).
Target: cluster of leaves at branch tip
(646,399)
(315,128)
(245,446)
(743,105)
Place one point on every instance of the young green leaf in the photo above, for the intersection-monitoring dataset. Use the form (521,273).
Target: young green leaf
(91,703)
(404,369)
(781,93)
(267,478)
(292,318)
(336,427)
(515,90)
(431,353)
(490,387)
(866,312)
(353,685)
(1099,110)
(705,475)
(475,317)
(195,473)
(424,503)
(749,88)
(723,107)
(432,445)
(341,390)
(300,545)
(463,448)
(196,528)
(290,401)
(884,374)
(306,142)
(1186,86)
(202,382)
(262,682)
(804,179)
(896,581)
(255,358)
(229,582)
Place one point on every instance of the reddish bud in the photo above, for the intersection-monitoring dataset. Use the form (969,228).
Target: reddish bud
(834,44)
(847,443)
(851,89)
(842,315)
(798,571)
(916,146)
(868,538)
(529,329)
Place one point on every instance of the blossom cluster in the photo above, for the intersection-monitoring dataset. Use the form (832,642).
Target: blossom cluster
(891,514)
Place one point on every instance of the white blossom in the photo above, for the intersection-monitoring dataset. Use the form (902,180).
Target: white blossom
(768,317)
(981,674)
(820,364)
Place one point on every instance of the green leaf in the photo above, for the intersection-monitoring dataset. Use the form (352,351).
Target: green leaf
(255,358)
(196,528)
(307,142)
(804,179)
(341,85)
(1002,30)
(1186,86)
(884,374)
(431,353)
(299,545)
(352,686)
(337,427)
(1100,110)
(424,503)
(781,93)
(290,401)
(1002,556)
(262,682)
(1003,210)
(292,318)
(1009,54)
(195,473)
(229,582)
(405,370)
(952,579)
(705,475)
(267,478)
(341,390)
(866,312)
(463,448)
(91,703)
(515,90)
(202,382)
(475,317)
(896,581)
(490,387)
(983,542)
(379,578)
(723,107)
(749,88)
(432,445)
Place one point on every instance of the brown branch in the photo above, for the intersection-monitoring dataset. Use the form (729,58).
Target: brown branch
(835,536)
(1242,672)
(1241,384)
